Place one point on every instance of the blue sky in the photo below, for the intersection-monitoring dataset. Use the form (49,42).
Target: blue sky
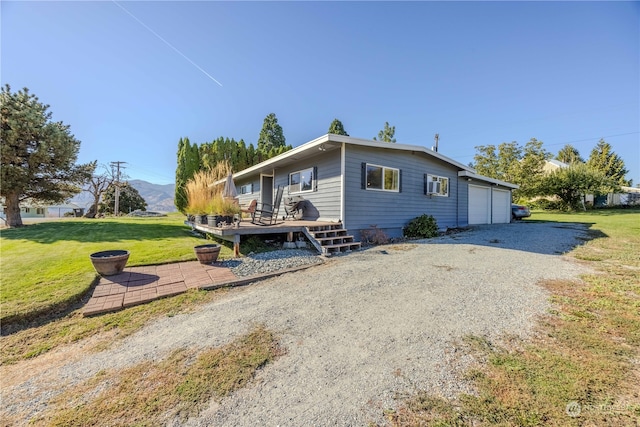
(131,82)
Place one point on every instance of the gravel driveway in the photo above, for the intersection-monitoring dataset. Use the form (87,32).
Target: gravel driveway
(360,329)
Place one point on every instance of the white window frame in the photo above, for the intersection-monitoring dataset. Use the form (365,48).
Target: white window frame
(384,172)
(247,188)
(437,186)
(297,187)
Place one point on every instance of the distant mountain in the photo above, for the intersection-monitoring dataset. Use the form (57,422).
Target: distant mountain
(159,197)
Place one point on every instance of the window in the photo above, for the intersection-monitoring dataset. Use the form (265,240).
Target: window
(302,181)
(39,211)
(246,189)
(436,185)
(382,178)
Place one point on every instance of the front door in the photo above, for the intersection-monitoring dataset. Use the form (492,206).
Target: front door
(266,190)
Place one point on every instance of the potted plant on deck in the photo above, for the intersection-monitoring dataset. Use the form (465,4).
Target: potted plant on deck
(198,196)
(204,194)
(228,208)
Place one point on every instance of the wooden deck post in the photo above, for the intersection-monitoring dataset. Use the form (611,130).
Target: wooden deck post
(236,245)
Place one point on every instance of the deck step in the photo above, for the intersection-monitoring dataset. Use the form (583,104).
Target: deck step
(329,233)
(332,239)
(343,247)
(335,239)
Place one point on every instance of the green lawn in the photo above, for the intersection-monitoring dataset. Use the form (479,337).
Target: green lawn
(46,266)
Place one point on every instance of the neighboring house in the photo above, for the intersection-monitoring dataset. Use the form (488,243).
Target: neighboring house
(32,210)
(552,164)
(365,183)
(628,196)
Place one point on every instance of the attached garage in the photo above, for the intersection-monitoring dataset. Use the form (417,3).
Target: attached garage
(479,205)
(489,200)
(500,206)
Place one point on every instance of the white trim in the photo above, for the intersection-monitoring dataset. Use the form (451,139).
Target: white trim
(313,178)
(473,175)
(384,169)
(438,180)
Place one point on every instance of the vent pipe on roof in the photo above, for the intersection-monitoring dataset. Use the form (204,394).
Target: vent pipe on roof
(435,147)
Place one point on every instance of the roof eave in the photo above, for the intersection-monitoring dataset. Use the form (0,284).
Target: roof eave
(473,175)
(316,143)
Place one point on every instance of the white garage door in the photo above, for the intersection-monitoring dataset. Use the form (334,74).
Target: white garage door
(500,206)
(479,205)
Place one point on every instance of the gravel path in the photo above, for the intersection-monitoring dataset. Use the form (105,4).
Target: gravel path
(359,330)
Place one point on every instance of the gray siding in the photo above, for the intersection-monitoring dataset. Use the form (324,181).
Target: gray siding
(390,211)
(245,199)
(463,202)
(325,202)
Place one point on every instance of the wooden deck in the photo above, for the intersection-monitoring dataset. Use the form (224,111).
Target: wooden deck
(246,228)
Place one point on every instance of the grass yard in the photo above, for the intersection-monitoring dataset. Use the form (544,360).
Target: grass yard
(46,267)
(582,369)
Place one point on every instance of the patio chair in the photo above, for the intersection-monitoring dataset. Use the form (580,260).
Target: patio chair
(268,213)
(251,209)
(294,207)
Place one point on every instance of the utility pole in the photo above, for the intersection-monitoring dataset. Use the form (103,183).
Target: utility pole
(118,166)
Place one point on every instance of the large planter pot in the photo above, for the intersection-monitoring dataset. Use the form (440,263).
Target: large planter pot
(207,254)
(108,263)
(213,220)
(227,219)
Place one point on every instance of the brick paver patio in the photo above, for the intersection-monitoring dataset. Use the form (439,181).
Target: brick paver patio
(138,285)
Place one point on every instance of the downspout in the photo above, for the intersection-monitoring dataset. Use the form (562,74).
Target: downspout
(458,203)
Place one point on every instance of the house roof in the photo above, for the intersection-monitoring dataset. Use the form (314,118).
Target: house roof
(557,163)
(330,142)
(473,175)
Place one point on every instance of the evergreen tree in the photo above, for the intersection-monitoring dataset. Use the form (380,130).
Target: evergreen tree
(386,134)
(603,159)
(336,128)
(271,135)
(569,155)
(188,165)
(37,155)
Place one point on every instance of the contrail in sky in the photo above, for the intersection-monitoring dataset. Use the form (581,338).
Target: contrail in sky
(167,43)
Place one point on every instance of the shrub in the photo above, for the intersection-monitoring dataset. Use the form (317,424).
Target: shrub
(424,226)
(547,204)
(374,236)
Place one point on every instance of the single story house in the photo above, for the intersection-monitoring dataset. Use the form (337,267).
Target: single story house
(32,210)
(366,184)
